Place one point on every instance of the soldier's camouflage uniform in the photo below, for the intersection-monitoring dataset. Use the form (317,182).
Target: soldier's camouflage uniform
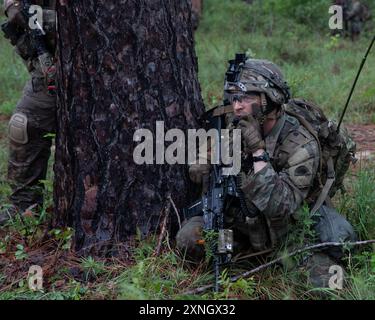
(354,16)
(345,4)
(33,117)
(277,192)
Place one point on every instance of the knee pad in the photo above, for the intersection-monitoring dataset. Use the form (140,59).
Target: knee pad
(18,128)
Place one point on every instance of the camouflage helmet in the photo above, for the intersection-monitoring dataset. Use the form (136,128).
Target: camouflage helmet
(255,75)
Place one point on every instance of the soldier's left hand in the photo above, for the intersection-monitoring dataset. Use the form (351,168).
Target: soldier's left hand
(251,134)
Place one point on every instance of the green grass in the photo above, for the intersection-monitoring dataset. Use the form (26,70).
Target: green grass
(359,204)
(13,75)
(4,187)
(318,67)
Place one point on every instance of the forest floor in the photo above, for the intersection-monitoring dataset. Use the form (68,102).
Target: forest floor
(318,67)
(364,136)
(30,241)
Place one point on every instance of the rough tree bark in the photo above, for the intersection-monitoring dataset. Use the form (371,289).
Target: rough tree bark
(123,65)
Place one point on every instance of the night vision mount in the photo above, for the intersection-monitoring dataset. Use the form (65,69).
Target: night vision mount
(235,66)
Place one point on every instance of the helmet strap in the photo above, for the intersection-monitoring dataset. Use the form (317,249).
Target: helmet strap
(261,114)
(263,102)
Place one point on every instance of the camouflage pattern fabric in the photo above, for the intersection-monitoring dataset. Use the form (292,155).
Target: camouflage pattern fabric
(279,189)
(23,48)
(33,117)
(354,17)
(28,162)
(276,192)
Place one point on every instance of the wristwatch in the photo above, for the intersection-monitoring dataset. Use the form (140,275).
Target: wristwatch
(263,157)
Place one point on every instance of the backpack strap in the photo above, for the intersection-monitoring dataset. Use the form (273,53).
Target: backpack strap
(327,186)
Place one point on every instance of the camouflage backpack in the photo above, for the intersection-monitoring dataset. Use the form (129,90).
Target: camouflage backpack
(337,149)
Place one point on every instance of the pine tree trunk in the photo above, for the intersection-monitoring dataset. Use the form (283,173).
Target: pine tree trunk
(123,65)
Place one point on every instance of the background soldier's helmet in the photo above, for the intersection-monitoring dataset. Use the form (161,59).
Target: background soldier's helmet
(254,75)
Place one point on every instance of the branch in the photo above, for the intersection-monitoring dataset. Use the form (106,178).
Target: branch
(163,230)
(175,209)
(293,253)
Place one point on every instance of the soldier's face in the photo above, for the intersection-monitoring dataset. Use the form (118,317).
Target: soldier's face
(246,105)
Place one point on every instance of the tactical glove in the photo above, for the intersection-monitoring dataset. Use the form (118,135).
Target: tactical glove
(251,135)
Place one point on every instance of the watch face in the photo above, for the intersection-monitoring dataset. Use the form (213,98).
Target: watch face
(264,157)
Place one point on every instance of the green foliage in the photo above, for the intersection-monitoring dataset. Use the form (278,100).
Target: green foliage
(242,288)
(157,277)
(359,279)
(74,291)
(92,268)
(210,243)
(318,68)
(20,253)
(64,237)
(359,206)
(313,13)
(334,43)
(4,244)
(4,186)
(13,76)
(301,233)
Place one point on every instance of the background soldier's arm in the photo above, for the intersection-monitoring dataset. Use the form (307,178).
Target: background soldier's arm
(354,11)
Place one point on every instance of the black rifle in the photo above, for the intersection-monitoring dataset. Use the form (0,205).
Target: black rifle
(223,190)
(36,41)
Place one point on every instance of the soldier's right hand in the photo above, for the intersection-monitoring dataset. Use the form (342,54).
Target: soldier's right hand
(198,171)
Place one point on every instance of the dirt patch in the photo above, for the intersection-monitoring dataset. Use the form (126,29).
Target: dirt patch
(4,118)
(364,136)
(59,266)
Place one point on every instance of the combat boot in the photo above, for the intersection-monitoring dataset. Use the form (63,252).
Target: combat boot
(324,273)
(7,213)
